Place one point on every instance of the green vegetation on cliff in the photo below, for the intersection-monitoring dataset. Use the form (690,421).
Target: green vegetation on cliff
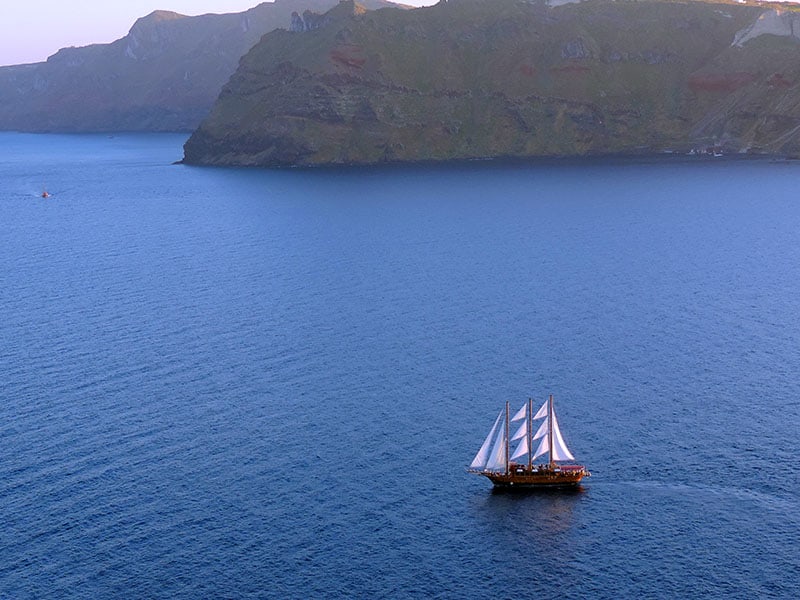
(511,78)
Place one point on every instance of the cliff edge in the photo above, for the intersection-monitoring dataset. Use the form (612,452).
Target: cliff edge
(510,78)
(163,76)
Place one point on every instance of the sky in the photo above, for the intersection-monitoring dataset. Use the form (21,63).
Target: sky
(32,30)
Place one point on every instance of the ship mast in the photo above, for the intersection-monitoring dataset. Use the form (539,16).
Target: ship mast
(530,435)
(550,429)
(507,436)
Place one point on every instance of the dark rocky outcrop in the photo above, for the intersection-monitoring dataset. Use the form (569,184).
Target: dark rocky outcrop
(308,22)
(489,78)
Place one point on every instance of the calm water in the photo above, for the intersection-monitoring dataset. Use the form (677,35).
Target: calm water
(228,383)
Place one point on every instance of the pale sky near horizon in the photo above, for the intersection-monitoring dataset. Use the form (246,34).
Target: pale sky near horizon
(32,30)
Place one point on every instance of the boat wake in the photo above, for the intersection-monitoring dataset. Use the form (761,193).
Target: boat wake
(764,500)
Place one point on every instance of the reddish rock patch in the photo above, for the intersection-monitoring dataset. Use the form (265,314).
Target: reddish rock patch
(724,82)
(527,70)
(349,56)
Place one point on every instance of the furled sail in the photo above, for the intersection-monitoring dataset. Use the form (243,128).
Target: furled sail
(480,458)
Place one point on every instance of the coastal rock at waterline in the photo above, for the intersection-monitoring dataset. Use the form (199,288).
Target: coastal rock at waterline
(508,78)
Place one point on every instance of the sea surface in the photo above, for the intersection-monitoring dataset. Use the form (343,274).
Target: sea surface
(228,383)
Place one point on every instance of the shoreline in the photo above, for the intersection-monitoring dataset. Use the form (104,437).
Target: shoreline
(616,159)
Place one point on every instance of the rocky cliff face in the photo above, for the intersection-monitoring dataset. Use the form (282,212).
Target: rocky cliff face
(480,78)
(163,76)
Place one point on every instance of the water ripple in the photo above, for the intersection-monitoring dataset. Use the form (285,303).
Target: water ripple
(226,383)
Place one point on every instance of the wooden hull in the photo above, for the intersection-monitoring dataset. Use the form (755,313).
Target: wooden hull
(568,476)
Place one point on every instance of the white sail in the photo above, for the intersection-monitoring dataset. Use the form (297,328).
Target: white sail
(497,459)
(522,449)
(480,458)
(493,457)
(521,413)
(521,432)
(542,411)
(544,447)
(541,431)
(560,450)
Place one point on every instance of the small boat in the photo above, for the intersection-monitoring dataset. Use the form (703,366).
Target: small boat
(45,194)
(495,462)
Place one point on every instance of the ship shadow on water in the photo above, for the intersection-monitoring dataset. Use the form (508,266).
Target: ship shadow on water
(537,514)
(575,490)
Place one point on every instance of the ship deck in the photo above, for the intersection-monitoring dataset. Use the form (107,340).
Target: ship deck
(538,477)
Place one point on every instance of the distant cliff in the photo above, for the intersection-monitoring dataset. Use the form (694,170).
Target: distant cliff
(512,78)
(163,76)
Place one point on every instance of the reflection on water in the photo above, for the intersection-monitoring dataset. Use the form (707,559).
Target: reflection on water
(543,491)
(540,530)
(541,514)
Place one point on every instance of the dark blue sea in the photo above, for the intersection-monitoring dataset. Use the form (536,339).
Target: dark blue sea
(227,383)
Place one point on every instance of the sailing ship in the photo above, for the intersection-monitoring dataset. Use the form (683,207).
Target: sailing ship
(496,462)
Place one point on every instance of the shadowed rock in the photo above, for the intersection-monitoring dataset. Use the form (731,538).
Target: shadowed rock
(507,78)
